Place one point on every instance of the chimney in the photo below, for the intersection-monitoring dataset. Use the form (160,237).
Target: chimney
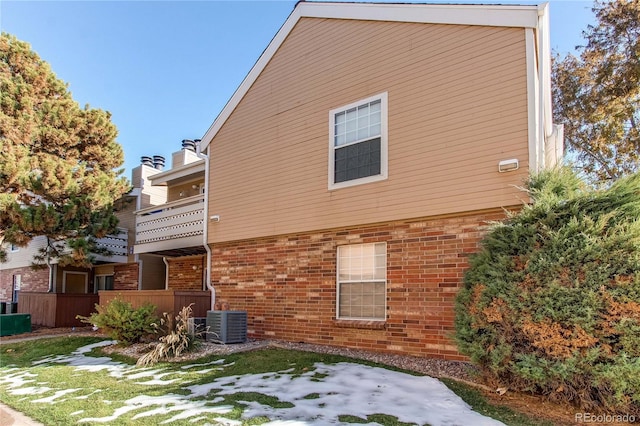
(146,161)
(158,162)
(189,145)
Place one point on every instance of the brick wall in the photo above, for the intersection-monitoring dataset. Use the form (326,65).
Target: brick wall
(186,273)
(288,284)
(32,280)
(125,276)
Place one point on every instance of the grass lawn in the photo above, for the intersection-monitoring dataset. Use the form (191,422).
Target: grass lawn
(54,383)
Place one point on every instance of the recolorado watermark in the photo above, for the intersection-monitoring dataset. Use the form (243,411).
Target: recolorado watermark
(604,418)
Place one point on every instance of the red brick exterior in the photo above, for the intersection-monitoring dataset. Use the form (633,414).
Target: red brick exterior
(186,273)
(31,280)
(125,276)
(287,284)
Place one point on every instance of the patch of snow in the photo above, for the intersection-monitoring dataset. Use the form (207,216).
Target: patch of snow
(88,395)
(216,362)
(54,398)
(352,389)
(338,389)
(226,422)
(165,404)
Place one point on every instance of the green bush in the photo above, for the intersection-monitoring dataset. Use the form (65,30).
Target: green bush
(122,322)
(551,302)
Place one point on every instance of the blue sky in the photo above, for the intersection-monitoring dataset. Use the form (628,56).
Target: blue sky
(165,69)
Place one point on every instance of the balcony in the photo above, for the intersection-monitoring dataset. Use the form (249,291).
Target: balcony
(171,229)
(117,244)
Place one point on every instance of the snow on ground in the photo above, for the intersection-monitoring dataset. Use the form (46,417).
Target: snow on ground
(318,396)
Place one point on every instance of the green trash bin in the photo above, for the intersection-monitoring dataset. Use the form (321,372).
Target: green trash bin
(14,324)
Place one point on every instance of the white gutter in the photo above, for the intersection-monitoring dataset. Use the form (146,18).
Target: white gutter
(137,259)
(544,64)
(533,101)
(50,277)
(205,242)
(518,16)
(166,273)
(51,274)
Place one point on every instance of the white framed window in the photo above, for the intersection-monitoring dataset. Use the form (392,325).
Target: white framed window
(17,284)
(358,142)
(14,248)
(103,282)
(362,281)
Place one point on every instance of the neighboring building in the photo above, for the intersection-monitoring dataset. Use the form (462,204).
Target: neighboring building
(159,256)
(359,162)
(172,232)
(121,271)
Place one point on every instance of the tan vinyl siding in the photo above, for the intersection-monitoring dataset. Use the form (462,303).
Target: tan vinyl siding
(186,189)
(151,195)
(24,256)
(153,272)
(126,215)
(457,105)
(103,270)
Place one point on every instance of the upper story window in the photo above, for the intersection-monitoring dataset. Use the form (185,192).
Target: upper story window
(358,142)
(14,248)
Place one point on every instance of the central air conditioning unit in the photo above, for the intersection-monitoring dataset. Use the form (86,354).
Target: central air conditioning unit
(227,326)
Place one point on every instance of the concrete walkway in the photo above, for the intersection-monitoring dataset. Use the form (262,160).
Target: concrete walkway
(11,417)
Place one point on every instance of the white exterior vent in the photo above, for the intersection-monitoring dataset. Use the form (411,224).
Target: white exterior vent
(227,326)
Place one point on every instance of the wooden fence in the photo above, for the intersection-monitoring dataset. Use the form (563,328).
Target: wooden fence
(56,309)
(60,309)
(170,301)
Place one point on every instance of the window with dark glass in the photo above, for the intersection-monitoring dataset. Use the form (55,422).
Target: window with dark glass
(358,143)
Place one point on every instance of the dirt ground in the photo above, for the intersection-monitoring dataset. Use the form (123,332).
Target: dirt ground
(534,406)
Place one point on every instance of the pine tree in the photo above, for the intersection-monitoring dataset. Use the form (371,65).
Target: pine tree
(59,163)
(597,95)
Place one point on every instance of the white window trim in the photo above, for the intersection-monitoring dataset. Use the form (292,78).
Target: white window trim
(383,97)
(17,281)
(14,248)
(64,280)
(95,281)
(364,281)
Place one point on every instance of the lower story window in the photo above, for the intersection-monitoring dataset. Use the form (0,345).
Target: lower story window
(17,283)
(362,281)
(104,282)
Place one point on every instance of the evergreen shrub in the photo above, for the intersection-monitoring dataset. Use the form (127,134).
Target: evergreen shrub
(551,302)
(122,322)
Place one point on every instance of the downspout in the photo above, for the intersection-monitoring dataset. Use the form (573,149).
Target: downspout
(50,277)
(140,265)
(546,128)
(136,256)
(166,273)
(205,242)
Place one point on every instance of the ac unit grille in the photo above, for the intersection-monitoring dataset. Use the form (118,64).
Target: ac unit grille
(227,326)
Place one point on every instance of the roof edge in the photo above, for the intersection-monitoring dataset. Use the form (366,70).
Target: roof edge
(525,16)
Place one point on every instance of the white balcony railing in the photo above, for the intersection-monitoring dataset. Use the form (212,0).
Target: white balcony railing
(174,225)
(117,244)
